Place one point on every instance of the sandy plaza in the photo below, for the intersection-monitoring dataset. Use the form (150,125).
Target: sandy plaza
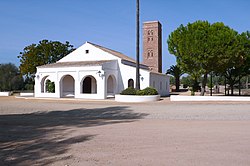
(86,132)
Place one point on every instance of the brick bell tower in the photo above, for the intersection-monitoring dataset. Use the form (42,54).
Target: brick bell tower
(152,45)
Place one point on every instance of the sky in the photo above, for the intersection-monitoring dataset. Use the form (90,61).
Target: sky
(109,23)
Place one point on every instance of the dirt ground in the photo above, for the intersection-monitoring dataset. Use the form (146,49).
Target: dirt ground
(84,132)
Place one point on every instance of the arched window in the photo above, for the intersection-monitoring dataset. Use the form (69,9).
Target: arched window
(149,32)
(152,32)
(152,53)
(131,83)
(148,54)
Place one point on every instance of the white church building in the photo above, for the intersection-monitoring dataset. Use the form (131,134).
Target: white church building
(96,72)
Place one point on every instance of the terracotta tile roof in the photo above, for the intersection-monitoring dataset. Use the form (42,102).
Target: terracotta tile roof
(113,52)
(74,64)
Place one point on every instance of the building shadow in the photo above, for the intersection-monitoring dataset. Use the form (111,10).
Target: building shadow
(42,138)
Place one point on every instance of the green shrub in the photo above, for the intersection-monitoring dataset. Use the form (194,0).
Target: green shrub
(140,92)
(146,91)
(129,91)
(150,91)
(50,86)
(29,87)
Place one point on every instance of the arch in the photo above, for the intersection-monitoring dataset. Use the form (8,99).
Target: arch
(43,84)
(67,86)
(131,83)
(111,84)
(89,85)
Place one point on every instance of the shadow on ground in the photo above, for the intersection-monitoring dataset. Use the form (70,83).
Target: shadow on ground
(42,138)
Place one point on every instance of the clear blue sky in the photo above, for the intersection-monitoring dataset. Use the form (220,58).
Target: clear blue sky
(110,23)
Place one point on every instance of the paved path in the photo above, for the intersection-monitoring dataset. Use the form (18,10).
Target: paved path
(83,132)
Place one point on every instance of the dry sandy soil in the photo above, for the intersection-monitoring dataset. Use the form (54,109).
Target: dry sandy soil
(67,132)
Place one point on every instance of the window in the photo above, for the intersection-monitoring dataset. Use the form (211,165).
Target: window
(150,53)
(148,39)
(86,51)
(149,32)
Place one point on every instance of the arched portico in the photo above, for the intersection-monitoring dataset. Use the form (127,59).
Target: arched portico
(111,85)
(89,85)
(67,86)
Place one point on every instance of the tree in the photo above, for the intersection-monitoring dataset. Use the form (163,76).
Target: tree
(193,82)
(186,81)
(239,64)
(10,78)
(29,84)
(172,80)
(175,71)
(45,52)
(50,86)
(201,48)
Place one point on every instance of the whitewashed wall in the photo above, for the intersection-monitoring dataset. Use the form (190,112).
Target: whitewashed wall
(129,72)
(94,54)
(160,82)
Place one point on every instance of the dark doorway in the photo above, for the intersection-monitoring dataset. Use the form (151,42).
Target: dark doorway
(87,85)
(131,83)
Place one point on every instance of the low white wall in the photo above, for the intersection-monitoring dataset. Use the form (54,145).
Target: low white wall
(135,99)
(53,95)
(26,94)
(5,93)
(208,98)
(89,96)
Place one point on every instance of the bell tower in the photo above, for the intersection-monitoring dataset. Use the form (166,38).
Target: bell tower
(152,45)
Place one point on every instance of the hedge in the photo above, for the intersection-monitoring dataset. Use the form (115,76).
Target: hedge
(146,91)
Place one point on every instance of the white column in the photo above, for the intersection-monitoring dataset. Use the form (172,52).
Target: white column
(77,85)
(37,87)
(101,87)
